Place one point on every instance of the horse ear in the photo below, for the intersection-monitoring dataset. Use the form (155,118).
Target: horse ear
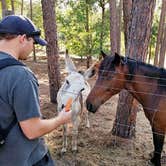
(117,59)
(103,54)
(70,67)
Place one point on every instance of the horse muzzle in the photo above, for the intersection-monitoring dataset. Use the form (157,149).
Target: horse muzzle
(90,107)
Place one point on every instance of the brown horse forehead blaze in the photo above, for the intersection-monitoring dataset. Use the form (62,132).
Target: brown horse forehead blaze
(106,68)
(107,64)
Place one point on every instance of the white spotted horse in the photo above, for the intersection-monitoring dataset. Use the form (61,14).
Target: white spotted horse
(72,96)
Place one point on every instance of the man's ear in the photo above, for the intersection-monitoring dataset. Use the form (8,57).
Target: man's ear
(22,38)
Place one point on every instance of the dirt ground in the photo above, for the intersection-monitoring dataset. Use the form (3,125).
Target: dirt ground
(95,147)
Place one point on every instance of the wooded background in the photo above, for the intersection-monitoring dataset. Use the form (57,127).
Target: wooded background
(134,28)
(84,26)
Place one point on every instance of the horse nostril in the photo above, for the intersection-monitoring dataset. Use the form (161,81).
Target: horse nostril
(89,107)
(62,106)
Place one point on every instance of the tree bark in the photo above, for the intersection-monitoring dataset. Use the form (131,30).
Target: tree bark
(163,49)
(12,5)
(137,46)
(102,4)
(22,6)
(163,35)
(127,6)
(31,16)
(4,8)
(160,33)
(113,27)
(87,36)
(49,20)
(119,16)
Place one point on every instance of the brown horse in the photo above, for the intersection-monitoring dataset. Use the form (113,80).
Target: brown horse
(145,82)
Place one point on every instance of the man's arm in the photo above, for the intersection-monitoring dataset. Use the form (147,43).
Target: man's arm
(36,127)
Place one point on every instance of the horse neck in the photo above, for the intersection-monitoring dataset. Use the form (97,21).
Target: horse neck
(142,82)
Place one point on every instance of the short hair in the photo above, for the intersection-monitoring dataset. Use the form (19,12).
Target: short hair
(7,36)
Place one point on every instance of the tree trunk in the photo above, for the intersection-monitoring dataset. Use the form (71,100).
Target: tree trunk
(49,20)
(113,27)
(160,33)
(150,53)
(31,16)
(127,5)
(138,40)
(22,6)
(12,5)
(163,35)
(87,36)
(4,8)
(163,49)
(119,15)
(102,4)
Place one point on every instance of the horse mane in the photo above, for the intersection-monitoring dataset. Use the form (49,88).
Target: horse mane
(149,70)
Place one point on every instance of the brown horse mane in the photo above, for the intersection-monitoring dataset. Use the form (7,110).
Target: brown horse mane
(147,70)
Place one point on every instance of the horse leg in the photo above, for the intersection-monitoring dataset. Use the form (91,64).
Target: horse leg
(64,149)
(75,134)
(87,119)
(158,141)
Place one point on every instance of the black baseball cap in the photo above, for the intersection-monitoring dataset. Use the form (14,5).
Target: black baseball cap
(19,25)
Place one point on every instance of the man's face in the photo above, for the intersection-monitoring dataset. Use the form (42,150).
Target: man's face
(26,47)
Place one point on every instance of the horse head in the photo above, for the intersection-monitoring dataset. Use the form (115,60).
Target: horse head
(110,81)
(72,86)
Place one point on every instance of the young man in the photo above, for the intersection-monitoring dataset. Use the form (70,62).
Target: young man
(19,98)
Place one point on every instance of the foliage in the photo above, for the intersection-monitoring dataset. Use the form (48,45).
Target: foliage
(71,24)
(71,27)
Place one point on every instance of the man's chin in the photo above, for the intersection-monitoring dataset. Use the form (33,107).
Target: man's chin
(22,58)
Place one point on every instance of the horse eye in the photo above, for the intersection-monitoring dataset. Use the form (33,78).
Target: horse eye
(82,89)
(67,82)
(108,89)
(93,72)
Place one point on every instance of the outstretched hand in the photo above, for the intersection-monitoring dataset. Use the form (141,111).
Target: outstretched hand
(65,116)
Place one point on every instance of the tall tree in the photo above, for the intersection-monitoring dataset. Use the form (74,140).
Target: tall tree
(163,48)
(119,15)
(4,7)
(49,20)
(88,35)
(137,46)
(127,6)
(22,6)
(160,33)
(12,5)
(102,4)
(31,16)
(113,27)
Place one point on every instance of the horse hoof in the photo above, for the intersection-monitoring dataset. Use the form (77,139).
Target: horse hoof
(149,163)
(88,126)
(75,151)
(153,162)
(63,151)
(151,154)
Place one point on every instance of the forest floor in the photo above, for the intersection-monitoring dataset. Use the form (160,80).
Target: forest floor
(95,144)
